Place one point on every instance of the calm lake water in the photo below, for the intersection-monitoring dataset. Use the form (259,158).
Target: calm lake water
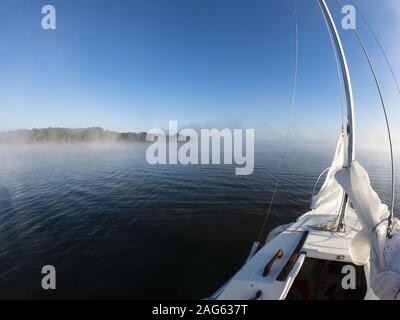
(116,227)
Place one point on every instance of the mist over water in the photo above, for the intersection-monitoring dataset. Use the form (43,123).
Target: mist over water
(116,227)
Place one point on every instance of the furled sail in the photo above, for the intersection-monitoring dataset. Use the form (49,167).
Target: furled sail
(371,243)
(329,198)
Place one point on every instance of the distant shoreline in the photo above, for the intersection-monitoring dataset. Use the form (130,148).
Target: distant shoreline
(68,135)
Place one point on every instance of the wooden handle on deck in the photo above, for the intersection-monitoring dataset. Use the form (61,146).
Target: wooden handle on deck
(268,267)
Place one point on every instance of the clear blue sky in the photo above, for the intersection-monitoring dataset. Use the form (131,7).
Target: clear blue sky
(134,65)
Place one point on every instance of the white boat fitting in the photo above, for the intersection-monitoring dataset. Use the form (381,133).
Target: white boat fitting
(346,247)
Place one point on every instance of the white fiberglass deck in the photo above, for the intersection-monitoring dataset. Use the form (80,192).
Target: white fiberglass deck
(324,245)
(327,245)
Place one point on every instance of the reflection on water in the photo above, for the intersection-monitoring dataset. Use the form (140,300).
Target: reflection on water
(116,227)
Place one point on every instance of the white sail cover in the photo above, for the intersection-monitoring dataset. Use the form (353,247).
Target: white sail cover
(329,198)
(371,243)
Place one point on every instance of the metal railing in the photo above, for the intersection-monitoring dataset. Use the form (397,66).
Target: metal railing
(316,182)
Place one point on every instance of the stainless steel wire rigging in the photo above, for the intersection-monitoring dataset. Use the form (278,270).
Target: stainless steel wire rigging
(293,102)
(372,68)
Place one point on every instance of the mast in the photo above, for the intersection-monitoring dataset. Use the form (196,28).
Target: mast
(349,98)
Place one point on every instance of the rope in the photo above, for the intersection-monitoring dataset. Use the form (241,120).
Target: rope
(290,121)
(390,218)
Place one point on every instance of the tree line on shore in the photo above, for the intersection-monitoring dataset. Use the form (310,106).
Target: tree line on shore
(67,135)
